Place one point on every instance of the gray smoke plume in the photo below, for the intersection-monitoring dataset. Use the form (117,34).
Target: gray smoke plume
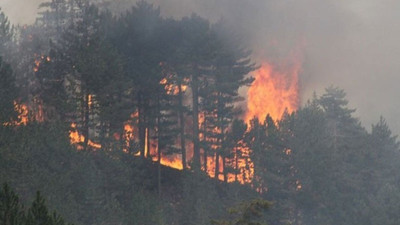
(352,44)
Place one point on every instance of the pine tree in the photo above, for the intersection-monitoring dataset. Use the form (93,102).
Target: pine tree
(197,52)
(81,79)
(382,137)
(236,142)
(140,30)
(6,34)
(178,76)
(38,213)
(230,65)
(11,210)
(8,94)
(247,213)
(346,131)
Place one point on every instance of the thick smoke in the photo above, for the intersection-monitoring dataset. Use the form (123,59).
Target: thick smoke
(352,44)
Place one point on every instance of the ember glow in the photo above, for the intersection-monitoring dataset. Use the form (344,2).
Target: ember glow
(275,89)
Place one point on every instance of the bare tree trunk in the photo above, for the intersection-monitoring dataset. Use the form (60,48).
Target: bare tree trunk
(236,164)
(148,144)
(142,129)
(85,127)
(182,125)
(216,165)
(224,169)
(159,127)
(205,148)
(195,95)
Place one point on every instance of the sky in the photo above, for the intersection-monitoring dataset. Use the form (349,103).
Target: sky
(352,44)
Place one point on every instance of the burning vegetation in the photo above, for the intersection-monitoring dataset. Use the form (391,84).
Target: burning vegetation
(137,103)
(274,91)
(186,120)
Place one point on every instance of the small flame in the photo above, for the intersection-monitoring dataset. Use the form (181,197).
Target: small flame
(22,118)
(76,138)
(298,185)
(23,111)
(90,101)
(172,88)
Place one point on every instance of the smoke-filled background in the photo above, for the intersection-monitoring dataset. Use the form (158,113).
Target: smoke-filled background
(353,44)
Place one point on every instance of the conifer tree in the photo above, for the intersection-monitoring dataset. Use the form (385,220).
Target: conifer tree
(141,48)
(11,210)
(38,213)
(8,93)
(229,68)
(6,34)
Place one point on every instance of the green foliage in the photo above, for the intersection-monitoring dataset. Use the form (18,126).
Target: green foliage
(8,93)
(6,33)
(38,213)
(11,210)
(247,213)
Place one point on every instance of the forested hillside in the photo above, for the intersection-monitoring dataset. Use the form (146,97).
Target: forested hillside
(135,118)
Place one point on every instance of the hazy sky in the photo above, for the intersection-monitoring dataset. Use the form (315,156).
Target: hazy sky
(353,44)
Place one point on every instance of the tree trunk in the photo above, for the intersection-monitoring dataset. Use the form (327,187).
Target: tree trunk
(148,144)
(142,129)
(181,124)
(224,170)
(216,165)
(85,128)
(195,95)
(236,164)
(159,127)
(205,147)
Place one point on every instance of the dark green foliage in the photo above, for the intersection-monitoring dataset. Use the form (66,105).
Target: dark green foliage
(247,213)
(6,34)
(11,210)
(38,213)
(8,93)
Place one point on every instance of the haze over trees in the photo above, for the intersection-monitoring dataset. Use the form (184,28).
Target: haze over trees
(95,108)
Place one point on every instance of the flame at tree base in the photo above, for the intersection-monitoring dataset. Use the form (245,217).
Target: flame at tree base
(274,91)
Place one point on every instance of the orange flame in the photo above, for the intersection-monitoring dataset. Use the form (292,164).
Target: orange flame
(22,118)
(23,111)
(77,139)
(275,89)
(171,88)
(173,162)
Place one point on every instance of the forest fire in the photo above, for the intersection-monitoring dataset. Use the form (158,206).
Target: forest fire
(22,110)
(173,162)
(275,89)
(77,139)
(22,118)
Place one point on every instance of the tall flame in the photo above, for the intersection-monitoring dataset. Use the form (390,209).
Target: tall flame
(275,89)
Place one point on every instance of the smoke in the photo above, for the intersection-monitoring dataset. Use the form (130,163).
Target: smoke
(20,11)
(352,44)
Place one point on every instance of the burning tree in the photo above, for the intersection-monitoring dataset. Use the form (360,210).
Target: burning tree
(228,73)
(8,94)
